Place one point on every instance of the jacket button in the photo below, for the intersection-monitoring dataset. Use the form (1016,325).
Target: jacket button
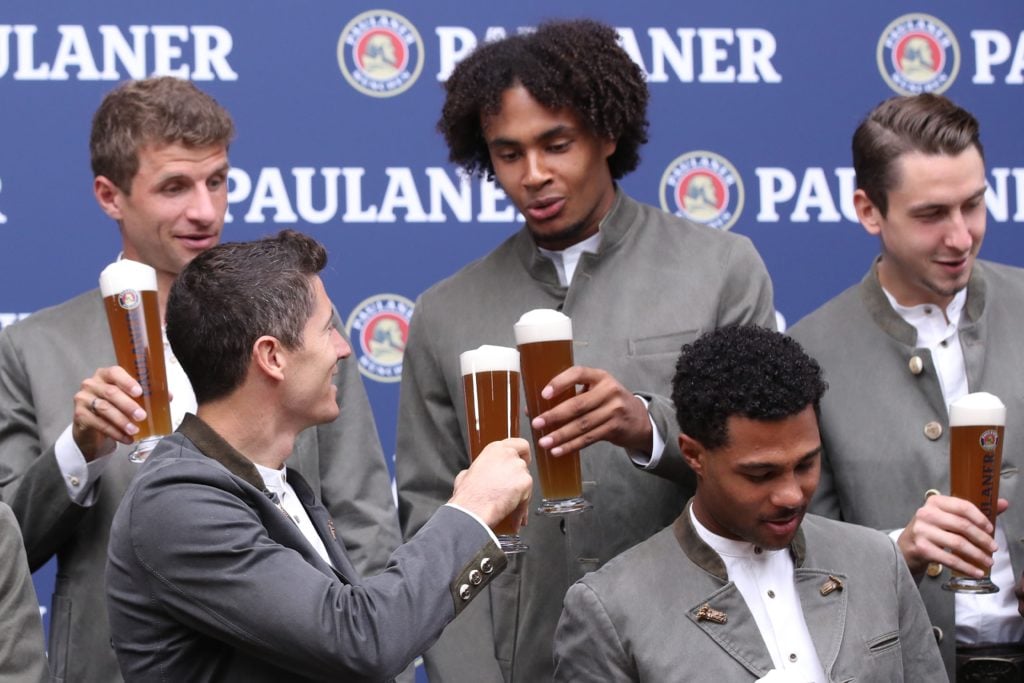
(937,632)
(475,577)
(464,592)
(486,566)
(933,430)
(916,365)
(934,569)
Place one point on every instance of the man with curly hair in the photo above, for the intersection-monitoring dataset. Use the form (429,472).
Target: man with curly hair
(557,116)
(749,587)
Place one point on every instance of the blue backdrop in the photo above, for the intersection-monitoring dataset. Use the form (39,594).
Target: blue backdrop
(752,104)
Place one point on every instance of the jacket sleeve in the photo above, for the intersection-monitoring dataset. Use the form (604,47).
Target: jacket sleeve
(21,631)
(587,645)
(215,570)
(30,480)
(429,455)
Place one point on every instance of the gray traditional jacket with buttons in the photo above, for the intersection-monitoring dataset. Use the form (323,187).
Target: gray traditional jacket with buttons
(656,282)
(885,427)
(209,580)
(858,598)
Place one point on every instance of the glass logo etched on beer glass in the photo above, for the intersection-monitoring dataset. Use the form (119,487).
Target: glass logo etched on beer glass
(544,339)
(490,381)
(976,426)
(130,300)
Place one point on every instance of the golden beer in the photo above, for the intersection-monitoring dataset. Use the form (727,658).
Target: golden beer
(130,301)
(544,339)
(490,382)
(976,429)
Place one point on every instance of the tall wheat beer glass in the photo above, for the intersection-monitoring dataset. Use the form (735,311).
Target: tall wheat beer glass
(544,338)
(490,381)
(129,296)
(976,425)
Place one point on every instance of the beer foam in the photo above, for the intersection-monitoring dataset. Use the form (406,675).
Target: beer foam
(126,274)
(981,408)
(489,358)
(541,325)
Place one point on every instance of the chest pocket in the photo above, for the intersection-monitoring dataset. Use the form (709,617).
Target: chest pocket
(662,344)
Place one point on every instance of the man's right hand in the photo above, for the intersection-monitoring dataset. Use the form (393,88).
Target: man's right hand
(105,411)
(952,532)
(497,482)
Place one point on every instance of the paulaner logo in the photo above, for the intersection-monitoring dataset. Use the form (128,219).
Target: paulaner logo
(703,187)
(379,329)
(917,53)
(380,53)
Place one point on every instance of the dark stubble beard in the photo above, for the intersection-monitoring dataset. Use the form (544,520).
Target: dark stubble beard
(567,237)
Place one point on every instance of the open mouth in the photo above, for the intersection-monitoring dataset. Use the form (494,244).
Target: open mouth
(545,209)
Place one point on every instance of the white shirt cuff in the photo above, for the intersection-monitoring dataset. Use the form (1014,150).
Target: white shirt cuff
(478,520)
(80,477)
(641,459)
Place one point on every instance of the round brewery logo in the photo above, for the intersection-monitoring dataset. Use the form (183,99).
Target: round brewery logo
(378,328)
(703,187)
(129,299)
(989,440)
(917,53)
(380,53)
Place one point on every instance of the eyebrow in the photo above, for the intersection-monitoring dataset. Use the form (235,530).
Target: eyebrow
(760,466)
(924,208)
(553,132)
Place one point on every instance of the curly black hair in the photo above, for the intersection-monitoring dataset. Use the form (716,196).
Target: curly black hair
(575,64)
(745,371)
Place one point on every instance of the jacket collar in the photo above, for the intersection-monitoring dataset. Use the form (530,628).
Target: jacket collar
(890,321)
(702,555)
(614,227)
(212,445)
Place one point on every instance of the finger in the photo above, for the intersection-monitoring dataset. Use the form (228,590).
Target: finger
(956,514)
(958,552)
(573,406)
(120,378)
(520,446)
(571,439)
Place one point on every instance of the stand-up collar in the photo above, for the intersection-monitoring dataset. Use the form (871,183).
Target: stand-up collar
(212,445)
(702,555)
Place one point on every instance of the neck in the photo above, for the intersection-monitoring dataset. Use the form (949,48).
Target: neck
(907,296)
(252,429)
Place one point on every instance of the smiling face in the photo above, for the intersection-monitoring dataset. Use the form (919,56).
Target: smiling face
(934,226)
(552,168)
(176,207)
(311,393)
(757,487)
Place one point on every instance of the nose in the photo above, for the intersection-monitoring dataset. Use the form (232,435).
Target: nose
(537,173)
(789,494)
(341,347)
(959,237)
(202,208)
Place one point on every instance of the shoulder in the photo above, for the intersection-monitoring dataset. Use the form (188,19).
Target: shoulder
(78,313)
(844,314)
(845,541)
(653,219)
(638,568)
(1000,277)
(465,283)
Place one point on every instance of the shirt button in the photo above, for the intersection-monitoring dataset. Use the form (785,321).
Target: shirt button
(757,550)
(792,657)
(944,343)
(927,310)
(933,430)
(771,594)
(74,481)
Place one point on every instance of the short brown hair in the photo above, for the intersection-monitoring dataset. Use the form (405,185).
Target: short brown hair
(925,123)
(163,111)
(231,295)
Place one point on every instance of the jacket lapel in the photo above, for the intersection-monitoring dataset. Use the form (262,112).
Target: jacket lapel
(823,602)
(324,527)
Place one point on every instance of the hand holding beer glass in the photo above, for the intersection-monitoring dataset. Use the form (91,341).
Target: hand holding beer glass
(976,424)
(544,338)
(490,380)
(130,299)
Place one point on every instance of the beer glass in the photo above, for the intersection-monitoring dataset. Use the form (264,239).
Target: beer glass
(976,425)
(129,296)
(490,381)
(544,338)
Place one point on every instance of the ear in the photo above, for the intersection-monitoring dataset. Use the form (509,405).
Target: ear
(269,357)
(694,454)
(609,147)
(108,196)
(868,214)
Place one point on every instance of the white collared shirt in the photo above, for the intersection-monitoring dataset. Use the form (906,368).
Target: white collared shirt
(276,481)
(980,619)
(765,580)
